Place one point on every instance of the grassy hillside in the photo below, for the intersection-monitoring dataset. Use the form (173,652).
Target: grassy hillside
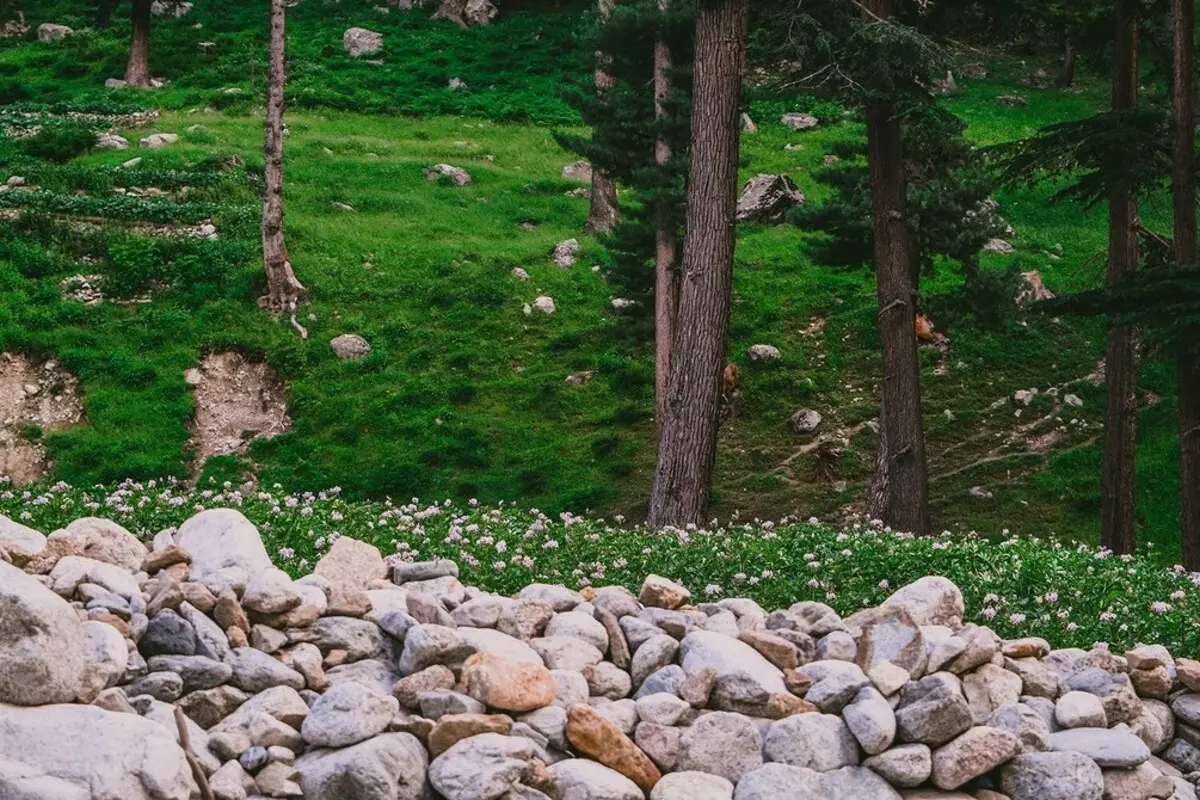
(464,394)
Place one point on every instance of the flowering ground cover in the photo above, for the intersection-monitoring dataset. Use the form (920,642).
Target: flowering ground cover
(1071,595)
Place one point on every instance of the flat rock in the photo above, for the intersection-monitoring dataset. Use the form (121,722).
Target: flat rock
(931,600)
(692,786)
(104,540)
(1108,747)
(351,562)
(1052,776)
(904,767)
(730,658)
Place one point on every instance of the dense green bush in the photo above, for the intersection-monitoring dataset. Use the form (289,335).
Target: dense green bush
(60,142)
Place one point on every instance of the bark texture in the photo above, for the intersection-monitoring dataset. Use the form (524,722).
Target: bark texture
(688,442)
(904,487)
(602,214)
(1066,70)
(284,292)
(137,69)
(666,287)
(1118,492)
(1184,141)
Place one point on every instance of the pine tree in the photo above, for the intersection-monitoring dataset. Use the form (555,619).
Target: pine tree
(137,70)
(688,439)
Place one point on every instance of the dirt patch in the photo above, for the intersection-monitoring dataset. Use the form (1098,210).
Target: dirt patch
(35,398)
(237,401)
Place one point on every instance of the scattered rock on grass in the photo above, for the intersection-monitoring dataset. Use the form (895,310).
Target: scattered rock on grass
(360,42)
(350,347)
(798,121)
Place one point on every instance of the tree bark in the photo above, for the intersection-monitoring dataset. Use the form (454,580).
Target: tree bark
(666,287)
(687,446)
(1066,71)
(905,506)
(1118,489)
(602,214)
(284,292)
(1183,87)
(104,13)
(137,70)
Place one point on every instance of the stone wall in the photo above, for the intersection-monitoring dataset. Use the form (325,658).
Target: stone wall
(385,680)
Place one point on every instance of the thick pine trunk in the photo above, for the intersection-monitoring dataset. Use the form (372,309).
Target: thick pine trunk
(602,215)
(687,446)
(284,292)
(1066,71)
(1118,489)
(1184,140)
(666,288)
(904,505)
(137,69)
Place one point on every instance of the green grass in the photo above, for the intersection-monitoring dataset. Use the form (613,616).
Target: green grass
(464,394)
(1018,586)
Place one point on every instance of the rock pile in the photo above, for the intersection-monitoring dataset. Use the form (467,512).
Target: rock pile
(393,681)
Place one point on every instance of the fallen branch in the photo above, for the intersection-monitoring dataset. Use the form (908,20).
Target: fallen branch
(185,742)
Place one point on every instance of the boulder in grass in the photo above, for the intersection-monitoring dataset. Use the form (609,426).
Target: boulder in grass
(456,175)
(360,42)
(798,121)
(767,199)
(578,171)
(50,32)
(350,347)
(157,141)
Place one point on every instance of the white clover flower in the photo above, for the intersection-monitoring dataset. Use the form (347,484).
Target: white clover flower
(814,584)
(884,584)
(1159,607)
(1016,619)
(712,590)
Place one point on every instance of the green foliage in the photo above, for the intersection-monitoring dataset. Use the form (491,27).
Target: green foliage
(1017,586)
(60,143)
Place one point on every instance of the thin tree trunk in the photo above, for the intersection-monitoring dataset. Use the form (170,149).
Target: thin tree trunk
(687,446)
(602,215)
(137,70)
(1184,141)
(902,433)
(1118,488)
(284,292)
(666,288)
(1066,72)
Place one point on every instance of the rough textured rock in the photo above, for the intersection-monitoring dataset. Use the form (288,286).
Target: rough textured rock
(692,786)
(349,347)
(598,738)
(41,643)
(721,743)
(930,601)
(482,767)
(360,42)
(111,755)
(767,199)
(391,766)
(102,540)
(820,742)
(507,684)
(347,714)
(1052,776)
(974,753)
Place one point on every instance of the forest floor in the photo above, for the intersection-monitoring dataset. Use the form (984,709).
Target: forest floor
(465,394)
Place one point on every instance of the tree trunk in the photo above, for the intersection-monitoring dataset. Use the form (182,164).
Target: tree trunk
(901,430)
(666,287)
(284,292)
(1118,488)
(602,215)
(104,13)
(687,446)
(137,70)
(1184,145)
(1066,71)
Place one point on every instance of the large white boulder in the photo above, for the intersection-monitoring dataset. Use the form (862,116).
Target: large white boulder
(41,644)
(106,754)
(219,538)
